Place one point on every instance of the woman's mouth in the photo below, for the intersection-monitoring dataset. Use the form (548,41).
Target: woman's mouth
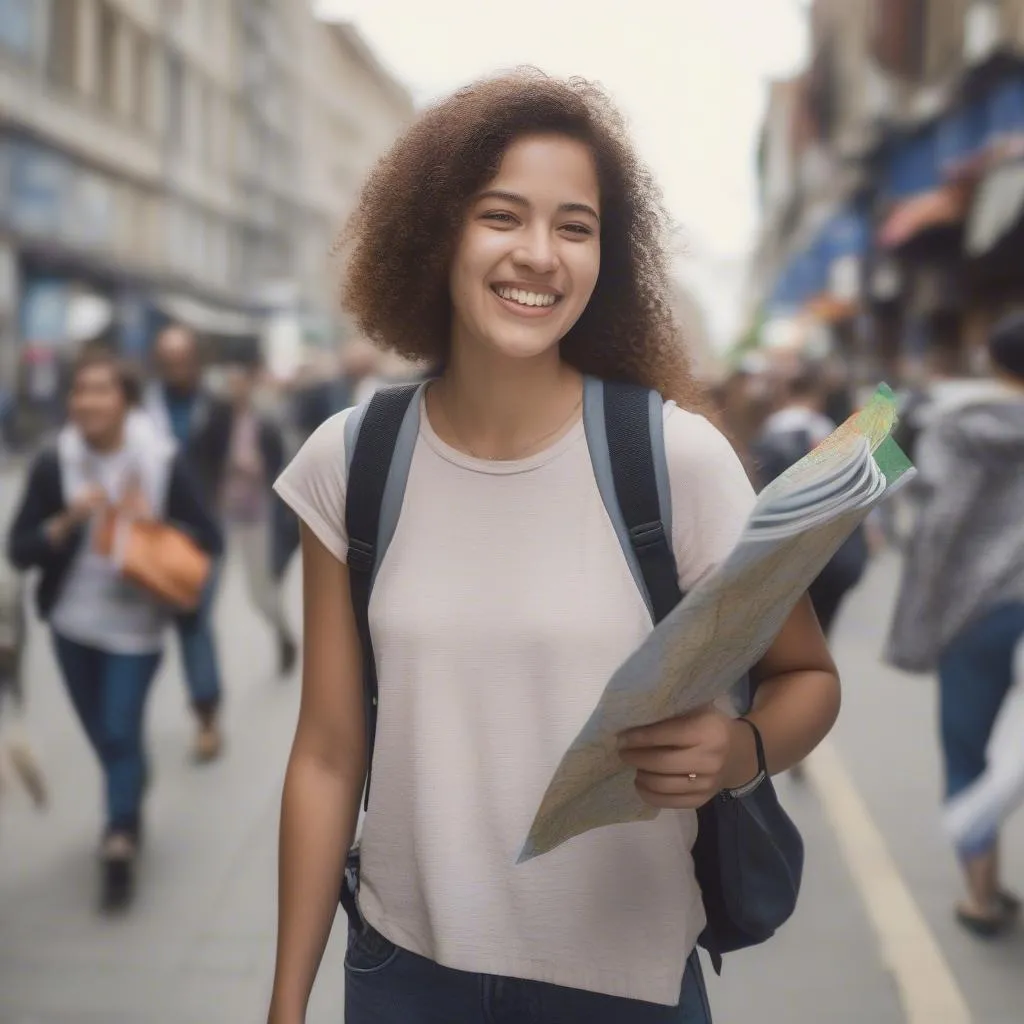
(526,302)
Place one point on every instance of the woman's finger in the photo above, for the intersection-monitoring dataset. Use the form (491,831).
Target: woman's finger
(673,784)
(653,791)
(669,761)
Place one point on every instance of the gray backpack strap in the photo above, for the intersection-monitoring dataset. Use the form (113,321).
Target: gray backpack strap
(378,454)
(631,471)
(396,462)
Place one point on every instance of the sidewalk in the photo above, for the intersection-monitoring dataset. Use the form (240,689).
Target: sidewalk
(199,945)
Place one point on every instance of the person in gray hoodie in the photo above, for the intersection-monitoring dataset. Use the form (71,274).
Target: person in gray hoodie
(960,609)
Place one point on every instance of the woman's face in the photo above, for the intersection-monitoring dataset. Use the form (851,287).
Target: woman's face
(97,403)
(530,250)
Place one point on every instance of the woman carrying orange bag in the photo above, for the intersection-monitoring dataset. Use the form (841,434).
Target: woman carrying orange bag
(107,629)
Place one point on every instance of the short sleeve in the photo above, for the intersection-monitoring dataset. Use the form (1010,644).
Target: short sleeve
(312,485)
(712,497)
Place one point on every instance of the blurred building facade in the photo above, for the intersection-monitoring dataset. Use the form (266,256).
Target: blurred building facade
(892,184)
(705,361)
(181,159)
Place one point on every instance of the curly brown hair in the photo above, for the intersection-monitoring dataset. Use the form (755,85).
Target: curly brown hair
(402,236)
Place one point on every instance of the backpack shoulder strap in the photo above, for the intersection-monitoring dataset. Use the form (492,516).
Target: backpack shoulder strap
(379,453)
(625,434)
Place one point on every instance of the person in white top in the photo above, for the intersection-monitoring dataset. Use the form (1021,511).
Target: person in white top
(512,238)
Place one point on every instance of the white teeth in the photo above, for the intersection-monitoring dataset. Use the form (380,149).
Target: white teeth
(525,298)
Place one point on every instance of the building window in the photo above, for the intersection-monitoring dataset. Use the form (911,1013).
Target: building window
(16,30)
(62,43)
(142,80)
(175,111)
(215,127)
(107,56)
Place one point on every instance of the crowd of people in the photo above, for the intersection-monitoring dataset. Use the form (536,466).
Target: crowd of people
(959,610)
(171,449)
(536,274)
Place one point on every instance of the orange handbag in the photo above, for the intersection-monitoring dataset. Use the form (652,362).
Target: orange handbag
(154,556)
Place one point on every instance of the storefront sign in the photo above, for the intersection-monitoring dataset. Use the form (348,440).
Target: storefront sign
(88,216)
(39,186)
(16,26)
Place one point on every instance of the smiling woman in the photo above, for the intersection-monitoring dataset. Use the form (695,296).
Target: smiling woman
(415,204)
(512,236)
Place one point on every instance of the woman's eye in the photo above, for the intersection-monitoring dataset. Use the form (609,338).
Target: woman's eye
(499,216)
(578,229)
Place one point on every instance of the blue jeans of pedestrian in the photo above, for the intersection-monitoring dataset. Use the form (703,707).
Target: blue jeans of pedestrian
(385,984)
(199,650)
(109,694)
(975,677)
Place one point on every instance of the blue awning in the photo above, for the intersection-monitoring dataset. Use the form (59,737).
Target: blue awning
(847,233)
(803,277)
(911,165)
(963,134)
(1006,108)
(967,132)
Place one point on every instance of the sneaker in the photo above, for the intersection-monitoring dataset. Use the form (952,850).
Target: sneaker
(117,875)
(209,741)
(287,655)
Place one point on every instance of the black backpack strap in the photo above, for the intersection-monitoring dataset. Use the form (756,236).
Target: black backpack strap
(378,467)
(624,431)
(636,451)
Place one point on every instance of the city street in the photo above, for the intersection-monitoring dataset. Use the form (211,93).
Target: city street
(873,940)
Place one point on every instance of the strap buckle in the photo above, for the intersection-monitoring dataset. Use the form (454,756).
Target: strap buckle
(647,535)
(361,555)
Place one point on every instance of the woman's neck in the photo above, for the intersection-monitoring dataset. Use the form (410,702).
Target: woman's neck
(496,405)
(108,443)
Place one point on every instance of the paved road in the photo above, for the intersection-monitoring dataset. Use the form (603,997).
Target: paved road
(199,945)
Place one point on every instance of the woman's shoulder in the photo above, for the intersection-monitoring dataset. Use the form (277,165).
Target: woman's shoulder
(45,467)
(692,439)
(329,442)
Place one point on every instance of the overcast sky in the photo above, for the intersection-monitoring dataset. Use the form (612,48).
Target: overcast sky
(690,75)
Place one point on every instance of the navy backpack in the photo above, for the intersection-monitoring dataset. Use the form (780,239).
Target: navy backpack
(748,853)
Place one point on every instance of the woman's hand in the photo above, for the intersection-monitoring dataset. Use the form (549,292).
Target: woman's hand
(85,505)
(89,502)
(134,504)
(684,762)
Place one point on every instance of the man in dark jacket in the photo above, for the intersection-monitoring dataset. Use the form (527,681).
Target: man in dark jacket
(200,424)
(260,524)
(797,427)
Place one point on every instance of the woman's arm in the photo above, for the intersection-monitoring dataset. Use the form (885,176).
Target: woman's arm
(797,698)
(42,527)
(795,705)
(324,781)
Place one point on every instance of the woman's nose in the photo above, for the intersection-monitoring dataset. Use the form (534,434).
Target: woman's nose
(537,252)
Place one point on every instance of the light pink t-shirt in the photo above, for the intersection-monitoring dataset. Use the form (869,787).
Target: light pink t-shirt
(502,607)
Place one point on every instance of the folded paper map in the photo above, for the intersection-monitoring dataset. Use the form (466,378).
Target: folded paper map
(728,621)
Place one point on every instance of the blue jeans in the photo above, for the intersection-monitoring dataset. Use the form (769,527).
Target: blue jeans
(199,650)
(109,693)
(975,677)
(385,984)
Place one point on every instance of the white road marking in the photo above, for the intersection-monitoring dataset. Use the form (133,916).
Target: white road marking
(928,990)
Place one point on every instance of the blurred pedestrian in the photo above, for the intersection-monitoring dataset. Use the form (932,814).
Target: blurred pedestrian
(107,633)
(504,602)
(254,514)
(791,432)
(961,601)
(17,753)
(199,424)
